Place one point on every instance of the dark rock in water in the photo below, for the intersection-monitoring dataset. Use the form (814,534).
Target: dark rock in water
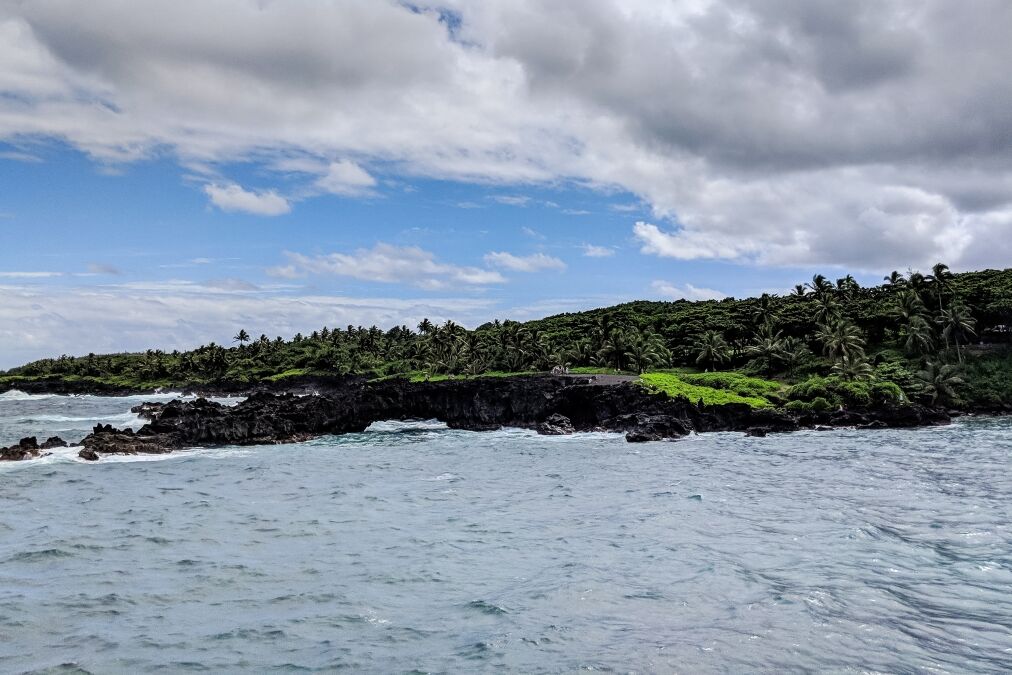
(656,428)
(89,455)
(556,425)
(53,442)
(756,431)
(26,448)
(545,403)
(874,424)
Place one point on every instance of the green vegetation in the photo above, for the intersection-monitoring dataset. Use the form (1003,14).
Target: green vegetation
(673,385)
(933,337)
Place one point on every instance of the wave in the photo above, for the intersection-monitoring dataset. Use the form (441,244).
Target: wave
(18,395)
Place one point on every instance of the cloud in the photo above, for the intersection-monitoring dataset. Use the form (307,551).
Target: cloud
(592,251)
(103,269)
(29,275)
(387,263)
(687,292)
(530,263)
(346,178)
(42,321)
(776,132)
(232,197)
(511,200)
(532,233)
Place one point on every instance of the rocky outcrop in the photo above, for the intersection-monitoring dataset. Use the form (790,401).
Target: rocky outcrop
(556,425)
(547,404)
(29,448)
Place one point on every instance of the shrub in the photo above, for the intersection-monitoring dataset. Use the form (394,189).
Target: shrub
(820,404)
(856,393)
(809,389)
(673,385)
(882,392)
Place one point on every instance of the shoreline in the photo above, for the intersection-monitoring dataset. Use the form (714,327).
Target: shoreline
(550,405)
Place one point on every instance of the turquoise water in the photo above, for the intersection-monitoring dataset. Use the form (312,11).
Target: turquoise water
(414,548)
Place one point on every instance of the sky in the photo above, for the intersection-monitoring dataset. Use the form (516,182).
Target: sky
(174,170)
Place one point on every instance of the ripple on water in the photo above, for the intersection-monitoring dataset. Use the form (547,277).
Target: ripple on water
(416,547)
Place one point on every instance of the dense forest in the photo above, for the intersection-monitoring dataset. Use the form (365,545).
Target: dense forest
(937,337)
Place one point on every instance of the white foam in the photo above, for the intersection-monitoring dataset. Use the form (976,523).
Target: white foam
(18,395)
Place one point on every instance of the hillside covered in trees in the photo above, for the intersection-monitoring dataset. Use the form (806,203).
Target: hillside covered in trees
(939,338)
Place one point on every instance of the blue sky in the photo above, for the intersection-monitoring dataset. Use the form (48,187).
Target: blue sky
(174,170)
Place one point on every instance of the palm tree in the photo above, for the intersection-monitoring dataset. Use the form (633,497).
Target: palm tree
(853,367)
(425,326)
(895,279)
(713,349)
(820,285)
(799,290)
(794,353)
(941,276)
(848,286)
(920,338)
(645,351)
(840,338)
(940,381)
(764,311)
(957,326)
(769,345)
(828,309)
(242,337)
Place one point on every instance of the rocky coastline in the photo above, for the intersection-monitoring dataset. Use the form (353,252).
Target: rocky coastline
(547,404)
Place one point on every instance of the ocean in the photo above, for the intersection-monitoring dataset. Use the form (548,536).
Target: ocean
(413,548)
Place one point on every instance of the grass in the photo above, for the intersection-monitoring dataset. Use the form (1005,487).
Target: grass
(294,372)
(743,385)
(674,385)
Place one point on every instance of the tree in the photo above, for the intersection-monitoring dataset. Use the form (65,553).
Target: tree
(919,337)
(895,279)
(940,381)
(853,367)
(941,277)
(840,338)
(794,352)
(712,349)
(645,351)
(957,326)
(820,286)
(768,345)
(242,337)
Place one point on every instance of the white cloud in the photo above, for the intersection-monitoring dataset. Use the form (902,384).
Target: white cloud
(346,178)
(686,292)
(777,132)
(592,251)
(38,322)
(387,263)
(232,197)
(532,233)
(511,200)
(29,275)
(529,263)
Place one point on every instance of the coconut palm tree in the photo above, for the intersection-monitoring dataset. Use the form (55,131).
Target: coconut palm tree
(941,277)
(242,337)
(853,367)
(827,309)
(940,381)
(764,311)
(957,326)
(768,345)
(895,279)
(713,349)
(794,353)
(820,285)
(799,290)
(645,351)
(848,286)
(920,339)
(840,338)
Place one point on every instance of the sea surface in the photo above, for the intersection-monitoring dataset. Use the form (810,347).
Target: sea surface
(412,548)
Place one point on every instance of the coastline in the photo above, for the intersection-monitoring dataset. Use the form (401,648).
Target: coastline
(551,405)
